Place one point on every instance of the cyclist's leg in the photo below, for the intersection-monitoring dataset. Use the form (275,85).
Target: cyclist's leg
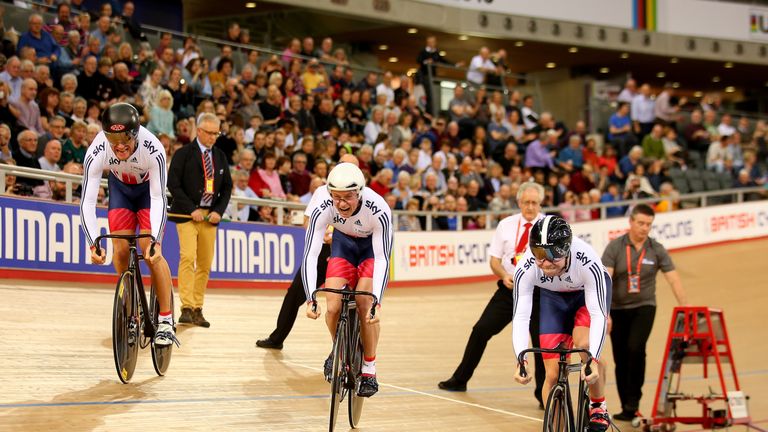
(555,326)
(333,302)
(122,220)
(369,333)
(342,270)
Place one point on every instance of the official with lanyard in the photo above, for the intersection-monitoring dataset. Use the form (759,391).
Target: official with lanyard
(633,260)
(510,241)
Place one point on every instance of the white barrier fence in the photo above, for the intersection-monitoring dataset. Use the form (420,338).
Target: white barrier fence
(420,256)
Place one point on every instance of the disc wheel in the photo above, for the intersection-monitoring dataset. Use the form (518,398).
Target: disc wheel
(161,355)
(126,327)
(339,374)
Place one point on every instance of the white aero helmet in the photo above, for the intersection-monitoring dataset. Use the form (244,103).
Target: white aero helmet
(346,177)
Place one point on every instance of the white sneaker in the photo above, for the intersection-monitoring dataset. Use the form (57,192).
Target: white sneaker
(165,335)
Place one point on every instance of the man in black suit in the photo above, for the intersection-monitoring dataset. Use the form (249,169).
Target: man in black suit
(427,59)
(27,156)
(201,185)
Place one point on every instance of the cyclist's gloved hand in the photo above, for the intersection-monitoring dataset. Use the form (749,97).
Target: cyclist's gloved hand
(154,257)
(520,378)
(313,312)
(593,377)
(98,259)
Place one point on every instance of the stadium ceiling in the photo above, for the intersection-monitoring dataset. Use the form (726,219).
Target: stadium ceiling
(273,25)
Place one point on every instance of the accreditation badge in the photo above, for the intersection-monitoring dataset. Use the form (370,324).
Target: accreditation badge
(209,186)
(633,284)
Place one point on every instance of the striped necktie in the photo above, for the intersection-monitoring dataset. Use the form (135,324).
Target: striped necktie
(207,197)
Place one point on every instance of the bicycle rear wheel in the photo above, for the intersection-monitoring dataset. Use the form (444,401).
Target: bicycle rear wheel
(557,418)
(339,373)
(125,327)
(355,402)
(161,355)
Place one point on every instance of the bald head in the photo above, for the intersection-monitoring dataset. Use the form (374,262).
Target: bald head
(349,158)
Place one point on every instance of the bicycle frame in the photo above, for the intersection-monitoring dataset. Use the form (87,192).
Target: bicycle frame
(574,424)
(133,267)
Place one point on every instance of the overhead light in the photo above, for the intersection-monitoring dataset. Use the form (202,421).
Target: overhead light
(675,84)
(551,65)
(674,60)
(624,55)
(250,5)
(413,30)
(698,94)
(728,65)
(463,37)
(604,70)
(519,44)
(730,89)
(661,74)
(443,53)
(383,47)
(715,79)
(393,59)
(573,50)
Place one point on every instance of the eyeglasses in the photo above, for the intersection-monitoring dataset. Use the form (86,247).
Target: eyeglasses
(216,134)
(352,199)
(546,254)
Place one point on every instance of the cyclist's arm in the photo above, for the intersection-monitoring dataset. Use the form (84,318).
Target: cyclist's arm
(595,297)
(158,210)
(313,242)
(523,302)
(381,240)
(93,166)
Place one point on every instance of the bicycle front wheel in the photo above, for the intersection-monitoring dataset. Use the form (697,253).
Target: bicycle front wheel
(339,373)
(161,355)
(125,327)
(557,418)
(355,402)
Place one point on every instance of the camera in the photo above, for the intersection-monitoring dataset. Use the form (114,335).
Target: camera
(182,81)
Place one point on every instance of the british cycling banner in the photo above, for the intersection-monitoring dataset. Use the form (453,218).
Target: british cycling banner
(46,236)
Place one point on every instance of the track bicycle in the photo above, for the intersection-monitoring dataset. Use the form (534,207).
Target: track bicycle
(558,412)
(347,355)
(134,319)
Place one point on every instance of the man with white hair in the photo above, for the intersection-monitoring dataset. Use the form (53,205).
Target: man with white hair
(46,47)
(12,75)
(29,112)
(480,65)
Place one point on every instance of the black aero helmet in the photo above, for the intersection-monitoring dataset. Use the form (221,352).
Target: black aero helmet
(551,238)
(121,118)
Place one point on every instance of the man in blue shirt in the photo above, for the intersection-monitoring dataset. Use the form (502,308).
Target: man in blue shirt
(45,46)
(620,129)
(571,158)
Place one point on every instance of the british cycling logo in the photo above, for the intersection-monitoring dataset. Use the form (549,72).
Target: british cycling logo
(117,128)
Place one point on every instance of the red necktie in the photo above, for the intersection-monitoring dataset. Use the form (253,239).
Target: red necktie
(523,240)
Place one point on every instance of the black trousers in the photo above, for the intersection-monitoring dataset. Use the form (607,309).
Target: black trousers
(295,297)
(629,335)
(497,315)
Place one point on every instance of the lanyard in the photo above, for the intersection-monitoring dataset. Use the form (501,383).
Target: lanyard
(639,261)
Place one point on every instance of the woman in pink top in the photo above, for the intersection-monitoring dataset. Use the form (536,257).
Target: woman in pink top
(265,180)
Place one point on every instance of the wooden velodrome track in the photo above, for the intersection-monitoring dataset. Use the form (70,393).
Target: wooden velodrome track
(57,372)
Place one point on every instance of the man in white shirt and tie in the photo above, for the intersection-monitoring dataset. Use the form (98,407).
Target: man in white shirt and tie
(510,241)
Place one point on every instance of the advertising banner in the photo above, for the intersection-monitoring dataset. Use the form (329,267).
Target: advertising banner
(44,235)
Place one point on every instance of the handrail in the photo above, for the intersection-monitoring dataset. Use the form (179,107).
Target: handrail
(281,205)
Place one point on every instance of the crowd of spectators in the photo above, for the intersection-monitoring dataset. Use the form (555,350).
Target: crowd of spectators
(286,119)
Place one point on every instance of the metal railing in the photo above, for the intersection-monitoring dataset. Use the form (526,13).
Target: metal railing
(700,199)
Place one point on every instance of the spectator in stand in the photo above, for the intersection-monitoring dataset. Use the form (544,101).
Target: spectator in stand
(161,115)
(428,57)
(642,112)
(300,178)
(5,142)
(26,155)
(628,93)
(265,180)
(669,198)
(149,92)
(653,147)
(325,52)
(734,152)
(612,195)
(726,125)
(537,155)
(63,19)
(480,65)
(628,163)
(620,129)
(271,108)
(385,88)
(239,211)
(51,157)
(381,184)
(46,48)
(717,152)
(12,76)
(28,111)
(571,158)
(696,135)
(75,147)
(664,109)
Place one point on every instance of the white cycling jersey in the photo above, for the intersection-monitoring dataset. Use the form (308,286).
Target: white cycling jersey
(373,219)
(584,272)
(146,164)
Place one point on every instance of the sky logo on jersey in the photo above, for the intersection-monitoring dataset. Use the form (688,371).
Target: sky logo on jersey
(374,210)
(582,258)
(339,220)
